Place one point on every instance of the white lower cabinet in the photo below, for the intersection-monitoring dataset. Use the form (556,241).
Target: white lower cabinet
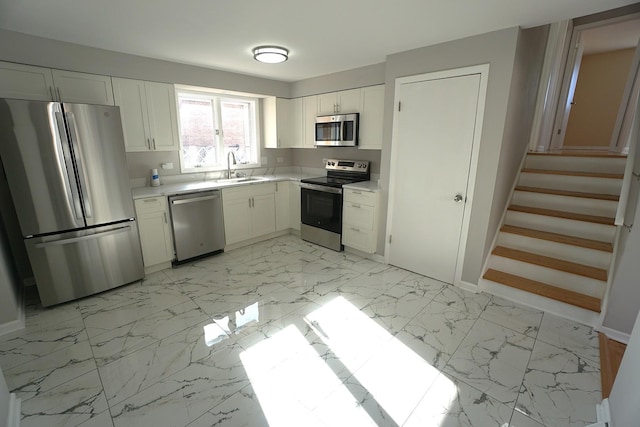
(249,212)
(294,205)
(155,230)
(283,210)
(360,219)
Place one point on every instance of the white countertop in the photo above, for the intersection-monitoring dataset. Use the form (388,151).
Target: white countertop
(188,187)
(364,186)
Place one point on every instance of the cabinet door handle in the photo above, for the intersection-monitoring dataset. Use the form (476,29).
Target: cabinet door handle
(154,144)
(149,143)
(356,192)
(249,201)
(165,217)
(357,230)
(355,206)
(150,200)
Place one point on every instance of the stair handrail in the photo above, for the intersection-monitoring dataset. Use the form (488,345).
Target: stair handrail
(628,191)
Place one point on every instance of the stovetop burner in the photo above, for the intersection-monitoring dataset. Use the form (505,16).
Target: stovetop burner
(333,182)
(342,172)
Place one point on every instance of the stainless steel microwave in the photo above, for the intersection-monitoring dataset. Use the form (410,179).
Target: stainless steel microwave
(337,131)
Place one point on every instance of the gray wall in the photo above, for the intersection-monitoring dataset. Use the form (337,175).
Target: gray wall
(26,49)
(499,50)
(314,158)
(527,69)
(370,75)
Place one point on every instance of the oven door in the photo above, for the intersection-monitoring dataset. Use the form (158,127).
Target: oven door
(321,207)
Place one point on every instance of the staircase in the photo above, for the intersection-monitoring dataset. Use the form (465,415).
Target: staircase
(555,247)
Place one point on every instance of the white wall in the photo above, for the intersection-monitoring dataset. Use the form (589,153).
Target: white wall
(623,304)
(498,49)
(623,399)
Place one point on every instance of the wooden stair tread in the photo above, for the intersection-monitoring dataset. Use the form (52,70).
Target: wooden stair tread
(562,214)
(545,290)
(556,264)
(610,197)
(558,238)
(611,353)
(579,154)
(575,173)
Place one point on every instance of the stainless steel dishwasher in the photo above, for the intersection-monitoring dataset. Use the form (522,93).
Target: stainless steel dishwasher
(198,225)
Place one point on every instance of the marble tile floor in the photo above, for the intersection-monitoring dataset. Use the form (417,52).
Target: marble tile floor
(286,333)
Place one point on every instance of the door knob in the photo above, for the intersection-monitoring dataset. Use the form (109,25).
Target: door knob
(458,198)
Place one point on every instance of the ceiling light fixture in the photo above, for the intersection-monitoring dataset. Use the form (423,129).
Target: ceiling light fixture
(270,54)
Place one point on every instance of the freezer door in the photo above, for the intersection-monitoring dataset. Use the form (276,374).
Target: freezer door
(37,162)
(76,264)
(98,145)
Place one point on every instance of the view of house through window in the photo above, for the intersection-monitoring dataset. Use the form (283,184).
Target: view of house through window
(213,125)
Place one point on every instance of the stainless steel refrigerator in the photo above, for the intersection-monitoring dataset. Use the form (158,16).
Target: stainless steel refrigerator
(66,169)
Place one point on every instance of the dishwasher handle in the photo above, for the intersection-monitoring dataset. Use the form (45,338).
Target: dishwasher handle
(194,199)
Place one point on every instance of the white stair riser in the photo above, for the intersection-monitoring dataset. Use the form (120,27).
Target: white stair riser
(577,314)
(584,184)
(577,254)
(559,279)
(580,205)
(576,164)
(569,227)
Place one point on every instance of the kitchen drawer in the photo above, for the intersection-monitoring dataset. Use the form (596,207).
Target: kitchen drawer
(357,238)
(358,215)
(360,196)
(150,204)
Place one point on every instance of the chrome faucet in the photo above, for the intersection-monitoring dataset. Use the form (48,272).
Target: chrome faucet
(233,156)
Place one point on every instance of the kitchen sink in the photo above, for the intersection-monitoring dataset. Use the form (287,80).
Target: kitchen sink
(241,179)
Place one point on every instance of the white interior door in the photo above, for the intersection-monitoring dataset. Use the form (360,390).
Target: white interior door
(433,141)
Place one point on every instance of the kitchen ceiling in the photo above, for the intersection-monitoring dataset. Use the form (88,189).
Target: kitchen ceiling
(323,36)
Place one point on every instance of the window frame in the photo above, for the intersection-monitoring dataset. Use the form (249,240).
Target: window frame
(217,97)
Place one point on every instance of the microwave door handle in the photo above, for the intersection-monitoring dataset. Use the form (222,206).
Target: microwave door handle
(84,188)
(65,165)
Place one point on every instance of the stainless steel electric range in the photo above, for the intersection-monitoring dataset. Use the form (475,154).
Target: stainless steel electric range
(321,201)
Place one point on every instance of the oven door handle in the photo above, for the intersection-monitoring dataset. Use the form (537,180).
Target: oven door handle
(322,188)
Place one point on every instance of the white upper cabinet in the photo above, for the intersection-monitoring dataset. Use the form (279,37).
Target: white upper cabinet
(297,122)
(277,121)
(309,113)
(149,117)
(83,88)
(44,84)
(371,118)
(25,82)
(343,102)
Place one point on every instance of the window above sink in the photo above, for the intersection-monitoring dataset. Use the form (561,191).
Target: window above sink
(212,125)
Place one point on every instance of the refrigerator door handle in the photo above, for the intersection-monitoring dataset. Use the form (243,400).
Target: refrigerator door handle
(64,162)
(117,230)
(84,188)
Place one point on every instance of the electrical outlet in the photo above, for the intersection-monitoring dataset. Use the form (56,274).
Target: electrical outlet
(324,161)
(166,165)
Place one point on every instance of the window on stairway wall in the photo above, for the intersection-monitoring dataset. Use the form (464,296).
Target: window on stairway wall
(212,125)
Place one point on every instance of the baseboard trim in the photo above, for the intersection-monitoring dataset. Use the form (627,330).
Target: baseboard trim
(603,414)
(256,240)
(468,286)
(614,335)
(157,267)
(13,418)
(373,257)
